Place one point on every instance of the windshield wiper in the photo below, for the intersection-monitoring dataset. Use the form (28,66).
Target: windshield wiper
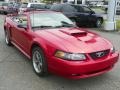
(43,26)
(65,24)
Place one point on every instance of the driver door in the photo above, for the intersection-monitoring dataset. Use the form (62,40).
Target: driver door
(88,15)
(21,35)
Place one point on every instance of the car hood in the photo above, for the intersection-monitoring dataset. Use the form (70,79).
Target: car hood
(98,15)
(74,40)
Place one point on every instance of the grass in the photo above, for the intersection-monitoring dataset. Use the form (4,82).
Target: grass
(100,10)
(117,24)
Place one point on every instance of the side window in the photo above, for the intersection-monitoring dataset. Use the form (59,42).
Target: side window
(56,7)
(68,8)
(32,6)
(78,8)
(21,20)
(24,5)
(37,6)
(86,9)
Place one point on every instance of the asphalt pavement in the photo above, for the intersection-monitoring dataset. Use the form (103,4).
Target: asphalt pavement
(16,71)
(102,13)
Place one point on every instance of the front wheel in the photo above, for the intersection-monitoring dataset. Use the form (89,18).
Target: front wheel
(39,62)
(99,22)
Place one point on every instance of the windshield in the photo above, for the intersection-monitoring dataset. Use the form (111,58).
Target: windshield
(38,6)
(10,5)
(4,4)
(1,3)
(24,5)
(86,9)
(49,19)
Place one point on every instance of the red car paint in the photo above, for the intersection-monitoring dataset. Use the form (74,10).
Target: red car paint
(75,40)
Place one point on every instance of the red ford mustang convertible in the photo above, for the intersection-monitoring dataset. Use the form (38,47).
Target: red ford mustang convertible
(56,45)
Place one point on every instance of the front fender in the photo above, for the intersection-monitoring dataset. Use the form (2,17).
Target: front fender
(47,47)
(39,42)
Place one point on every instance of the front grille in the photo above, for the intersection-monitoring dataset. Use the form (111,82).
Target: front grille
(99,54)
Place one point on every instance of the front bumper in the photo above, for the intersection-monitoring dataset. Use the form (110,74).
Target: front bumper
(82,69)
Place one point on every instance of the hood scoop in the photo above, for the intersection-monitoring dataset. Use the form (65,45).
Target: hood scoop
(76,33)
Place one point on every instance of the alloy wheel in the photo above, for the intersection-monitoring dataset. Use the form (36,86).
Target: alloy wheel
(99,23)
(37,61)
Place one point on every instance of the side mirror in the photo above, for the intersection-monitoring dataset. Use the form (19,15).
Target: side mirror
(22,26)
(92,12)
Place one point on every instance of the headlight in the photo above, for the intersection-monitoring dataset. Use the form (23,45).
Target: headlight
(70,56)
(112,50)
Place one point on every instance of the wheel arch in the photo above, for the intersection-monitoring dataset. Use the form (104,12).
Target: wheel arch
(100,18)
(36,44)
(5,28)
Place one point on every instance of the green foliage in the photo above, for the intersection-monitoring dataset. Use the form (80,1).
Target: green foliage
(118,24)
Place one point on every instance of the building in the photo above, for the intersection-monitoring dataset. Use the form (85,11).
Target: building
(84,1)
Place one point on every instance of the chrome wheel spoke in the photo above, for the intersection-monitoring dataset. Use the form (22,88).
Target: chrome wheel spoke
(39,66)
(37,61)
(99,23)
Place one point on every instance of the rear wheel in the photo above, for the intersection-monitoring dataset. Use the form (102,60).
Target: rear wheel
(7,38)
(39,62)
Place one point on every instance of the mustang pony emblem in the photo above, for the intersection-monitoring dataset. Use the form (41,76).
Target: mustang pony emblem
(100,54)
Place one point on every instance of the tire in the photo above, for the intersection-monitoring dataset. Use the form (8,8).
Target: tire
(5,13)
(38,62)
(98,23)
(7,38)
